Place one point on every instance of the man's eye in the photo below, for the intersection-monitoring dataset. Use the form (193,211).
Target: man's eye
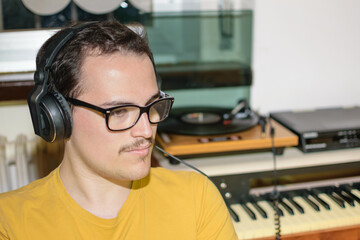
(121,112)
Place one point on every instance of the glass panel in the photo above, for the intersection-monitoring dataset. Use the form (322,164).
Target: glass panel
(203,57)
(195,37)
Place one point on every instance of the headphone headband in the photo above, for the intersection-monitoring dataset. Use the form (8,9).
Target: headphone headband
(57,44)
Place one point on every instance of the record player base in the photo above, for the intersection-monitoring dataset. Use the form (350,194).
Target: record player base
(248,140)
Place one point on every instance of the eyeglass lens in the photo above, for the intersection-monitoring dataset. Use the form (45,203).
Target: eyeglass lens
(124,117)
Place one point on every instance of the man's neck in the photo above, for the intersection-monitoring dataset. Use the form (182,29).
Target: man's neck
(98,195)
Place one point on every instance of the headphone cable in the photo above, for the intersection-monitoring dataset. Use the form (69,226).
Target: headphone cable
(231,211)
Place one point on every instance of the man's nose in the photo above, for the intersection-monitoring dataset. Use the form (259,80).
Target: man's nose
(143,127)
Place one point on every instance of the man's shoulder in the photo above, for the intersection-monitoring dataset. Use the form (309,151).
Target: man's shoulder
(168,180)
(28,191)
(176,175)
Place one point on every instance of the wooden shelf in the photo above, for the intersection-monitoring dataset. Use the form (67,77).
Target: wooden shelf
(15,87)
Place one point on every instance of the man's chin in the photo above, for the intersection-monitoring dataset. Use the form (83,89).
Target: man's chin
(140,173)
(142,168)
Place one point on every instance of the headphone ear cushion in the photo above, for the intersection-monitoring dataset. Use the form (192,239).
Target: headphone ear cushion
(66,110)
(55,117)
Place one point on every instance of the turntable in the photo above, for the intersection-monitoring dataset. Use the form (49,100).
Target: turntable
(203,120)
(202,131)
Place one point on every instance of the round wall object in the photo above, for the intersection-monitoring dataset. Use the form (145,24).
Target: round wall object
(45,7)
(98,6)
(142,5)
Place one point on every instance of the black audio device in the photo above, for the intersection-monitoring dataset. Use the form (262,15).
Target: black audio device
(323,129)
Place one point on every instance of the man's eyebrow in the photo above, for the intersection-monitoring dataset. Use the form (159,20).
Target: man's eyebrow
(119,103)
(153,98)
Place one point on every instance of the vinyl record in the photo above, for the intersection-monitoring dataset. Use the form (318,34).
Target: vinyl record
(201,121)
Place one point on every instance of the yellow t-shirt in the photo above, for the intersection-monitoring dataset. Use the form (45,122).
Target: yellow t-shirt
(165,205)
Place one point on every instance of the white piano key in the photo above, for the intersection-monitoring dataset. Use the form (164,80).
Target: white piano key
(248,228)
(356,192)
(294,205)
(341,216)
(357,206)
(289,222)
(245,227)
(259,209)
(331,218)
(353,196)
(311,220)
(301,221)
(266,226)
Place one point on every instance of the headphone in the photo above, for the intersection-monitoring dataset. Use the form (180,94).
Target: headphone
(50,112)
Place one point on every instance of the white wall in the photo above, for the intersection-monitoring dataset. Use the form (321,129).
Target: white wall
(306,54)
(15,119)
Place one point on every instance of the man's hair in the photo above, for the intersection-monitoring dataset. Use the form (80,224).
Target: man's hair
(99,38)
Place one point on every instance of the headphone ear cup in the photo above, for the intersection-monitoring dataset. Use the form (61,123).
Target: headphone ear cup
(55,115)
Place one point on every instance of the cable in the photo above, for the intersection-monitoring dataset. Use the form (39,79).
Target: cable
(275,194)
(231,211)
(182,161)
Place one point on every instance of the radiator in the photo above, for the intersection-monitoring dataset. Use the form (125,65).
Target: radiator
(25,160)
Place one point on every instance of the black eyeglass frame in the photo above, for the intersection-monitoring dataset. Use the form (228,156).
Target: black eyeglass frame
(107,111)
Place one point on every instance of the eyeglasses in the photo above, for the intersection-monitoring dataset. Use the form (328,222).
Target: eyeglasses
(126,116)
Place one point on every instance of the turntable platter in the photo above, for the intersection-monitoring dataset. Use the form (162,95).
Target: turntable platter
(201,118)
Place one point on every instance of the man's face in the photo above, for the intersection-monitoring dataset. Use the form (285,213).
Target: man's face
(109,81)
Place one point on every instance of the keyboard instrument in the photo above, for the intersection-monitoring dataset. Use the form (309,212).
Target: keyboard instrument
(302,210)
(325,207)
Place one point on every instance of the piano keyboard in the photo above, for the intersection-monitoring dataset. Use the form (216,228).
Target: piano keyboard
(300,210)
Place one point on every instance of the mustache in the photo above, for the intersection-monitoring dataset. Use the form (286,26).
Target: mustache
(136,144)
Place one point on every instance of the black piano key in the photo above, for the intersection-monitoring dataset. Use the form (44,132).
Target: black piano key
(346,188)
(286,207)
(356,186)
(295,204)
(233,214)
(310,202)
(320,200)
(329,192)
(248,211)
(337,200)
(272,204)
(259,209)
(344,197)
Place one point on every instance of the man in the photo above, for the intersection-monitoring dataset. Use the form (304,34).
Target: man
(104,187)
